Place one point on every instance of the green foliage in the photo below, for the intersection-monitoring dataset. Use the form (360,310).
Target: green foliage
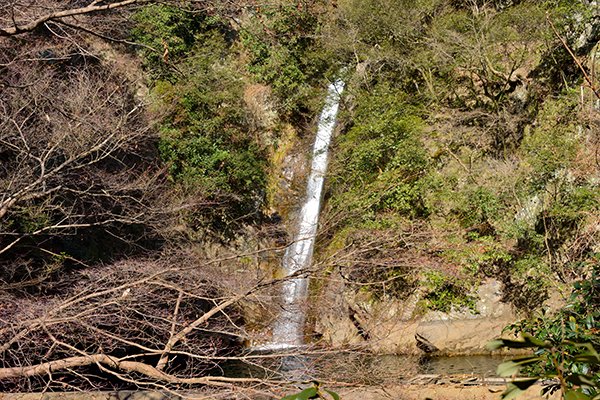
(530,264)
(553,144)
(447,292)
(313,392)
(29,219)
(568,212)
(283,52)
(474,53)
(477,255)
(574,366)
(478,150)
(205,137)
(170,34)
(480,206)
(575,322)
(217,165)
(565,344)
(162,27)
(380,162)
(375,25)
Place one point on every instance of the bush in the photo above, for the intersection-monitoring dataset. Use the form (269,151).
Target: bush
(565,345)
(552,145)
(162,27)
(379,164)
(445,293)
(281,41)
(205,137)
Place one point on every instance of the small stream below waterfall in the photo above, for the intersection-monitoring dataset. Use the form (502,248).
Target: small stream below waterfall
(365,369)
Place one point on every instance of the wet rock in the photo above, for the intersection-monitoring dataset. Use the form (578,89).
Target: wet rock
(425,345)
(467,333)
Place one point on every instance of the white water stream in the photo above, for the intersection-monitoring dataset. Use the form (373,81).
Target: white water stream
(288,329)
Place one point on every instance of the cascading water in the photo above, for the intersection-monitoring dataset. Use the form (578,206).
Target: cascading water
(289,326)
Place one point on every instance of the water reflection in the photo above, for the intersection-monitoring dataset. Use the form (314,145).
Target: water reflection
(481,366)
(296,368)
(359,367)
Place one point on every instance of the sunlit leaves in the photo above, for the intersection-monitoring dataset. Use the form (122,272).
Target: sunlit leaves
(314,392)
(511,368)
(516,388)
(527,341)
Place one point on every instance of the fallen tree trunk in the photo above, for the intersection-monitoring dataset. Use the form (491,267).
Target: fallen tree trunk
(115,363)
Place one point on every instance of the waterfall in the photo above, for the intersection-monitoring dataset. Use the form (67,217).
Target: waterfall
(289,326)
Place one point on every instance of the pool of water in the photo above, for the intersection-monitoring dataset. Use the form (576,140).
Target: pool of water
(358,367)
(482,366)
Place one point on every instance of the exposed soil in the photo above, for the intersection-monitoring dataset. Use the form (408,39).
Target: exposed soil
(399,392)
(437,392)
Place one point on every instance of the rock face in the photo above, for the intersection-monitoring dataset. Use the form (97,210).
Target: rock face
(586,36)
(391,327)
(258,100)
(467,333)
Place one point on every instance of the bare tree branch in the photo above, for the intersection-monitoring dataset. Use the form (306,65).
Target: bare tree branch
(93,7)
(116,363)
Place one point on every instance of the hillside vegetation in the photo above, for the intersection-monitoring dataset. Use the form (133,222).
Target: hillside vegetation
(469,148)
(142,146)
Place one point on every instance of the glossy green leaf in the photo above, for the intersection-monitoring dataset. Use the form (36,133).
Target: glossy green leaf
(495,344)
(515,388)
(585,358)
(512,367)
(333,394)
(581,380)
(306,394)
(575,395)
(526,341)
(589,355)
(572,324)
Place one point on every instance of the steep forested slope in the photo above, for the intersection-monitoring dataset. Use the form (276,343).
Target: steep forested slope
(470,148)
